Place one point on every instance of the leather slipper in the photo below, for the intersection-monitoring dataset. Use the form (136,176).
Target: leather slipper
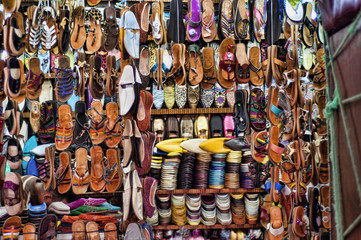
(144,69)
(192,145)
(276,230)
(126,90)
(158,128)
(127,143)
(92,231)
(275,148)
(209,30)
(186,127)
(112,127)
(29,231)
(242,67)
(17,35)
(78,230)
(172,127)
(63,173)
(97,120)
(35,79)
(78,35)
(110,231)
(209,67)
(12,77)
(35,116)
(81,178)
(64,128)
(143,21)
(201,127)
(97,182)
(137,195)
(255,66)
(144,111)
(228,126)
(196,70)
(113,171)
(227,63)
(216,125)
(215,145)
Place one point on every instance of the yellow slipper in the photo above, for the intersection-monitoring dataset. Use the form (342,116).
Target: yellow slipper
(215,145)
(171,145)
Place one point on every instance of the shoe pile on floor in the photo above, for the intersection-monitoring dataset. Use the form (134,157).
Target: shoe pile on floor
(82,154)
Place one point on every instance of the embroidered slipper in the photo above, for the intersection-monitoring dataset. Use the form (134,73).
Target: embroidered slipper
(64,80)
(35,79)
(132,34)
(81,178)
(97,182)
(219,95)
(64,128)
(194,20)
(227,63)
(181,95)
(225,20)
(64,30)
(35,116)
(308,26)
(156,21)
(13,194)
(112,126)
(257,109)
(259,145)
(63,173)
(209,68)
(94,38)
(78,35)
(256,73)
(242,66)
(111,29)
(113,172)
(96,83)
(193,95)
(178,73)
(241,19)
(196,70)
(97,122)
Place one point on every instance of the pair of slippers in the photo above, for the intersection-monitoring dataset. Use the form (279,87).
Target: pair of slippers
(133,144)
(130,33)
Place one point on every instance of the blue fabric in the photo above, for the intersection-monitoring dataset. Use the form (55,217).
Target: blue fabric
(109,206)
(158,97)
(72,100)
(37,208)
(31,168)
(278,186)
(30,145)
(276,110)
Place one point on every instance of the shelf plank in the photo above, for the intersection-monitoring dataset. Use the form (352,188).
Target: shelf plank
(100,194)
(184,111)
(209,190)
(216,226)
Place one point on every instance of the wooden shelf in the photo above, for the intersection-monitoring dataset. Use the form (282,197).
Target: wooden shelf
(99,194)
(209,190)
(184,111)
(216,226)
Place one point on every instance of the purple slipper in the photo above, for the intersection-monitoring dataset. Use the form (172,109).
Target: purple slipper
(84,201)
(194,20)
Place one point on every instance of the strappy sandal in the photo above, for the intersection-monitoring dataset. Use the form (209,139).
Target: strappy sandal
(81,177)
(80,74)
(196,69)
(256,73)
(97,182)
(63,173)
(46,167)
(64,128)
(82,127)
(94,39)
(64,30)
(178,73)
(225,22)
(34,33)
(49,33)
(112,127)
(97,121)
(209,31)
(113,173)
(64,79)
(111,29)
(112,76)
(242,67)
(259,145)
(96,81)
(35,79)
(241,19)
(78,35)
(227,63)
(48,112)
(257,109)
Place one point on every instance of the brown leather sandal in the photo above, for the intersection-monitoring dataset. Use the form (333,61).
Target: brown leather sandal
(113,172)
(97,182)
(112,76)
(94,39)
(78,35)
(112,128)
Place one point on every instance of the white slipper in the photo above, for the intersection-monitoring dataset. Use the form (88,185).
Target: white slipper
(46,92)
(132,34)
(192,145)
(295,15)
(126,90)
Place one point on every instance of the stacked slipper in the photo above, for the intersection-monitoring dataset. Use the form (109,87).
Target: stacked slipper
(252,207)
(170,171)
(25,216)
(238,208)
(217,171)
(201,171)
(164,208)
(231,177)
(223,203)
(86,201)
(37,212)
(245,181)
(185,175)
(156,166)
(59,208)
(179,210)
(193,203)
(154,219)
(208,210)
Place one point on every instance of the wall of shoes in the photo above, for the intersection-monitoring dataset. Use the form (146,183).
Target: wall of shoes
(170,119)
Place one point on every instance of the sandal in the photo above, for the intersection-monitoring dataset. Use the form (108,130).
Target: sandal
(94,39)
(242,67)
(275,148)
(63,173)
(113,172)
(323,168)
(13,194)
(81,128)
(111,29)
(34,79)
(112,127)
(178,73)
(64,128)
(78,35)
(64,30)
(34,33)
(48,113)
(64,79)
(49,39)
(325,206)
(97,182)
(12,228)
(209,68)
(225,20)
(257,110)
(47,227)
(256,73)
(81,178)
(241,116)
(259,145)
(209,31)
(97,123)
(194,20)
(112,76)
(227,63)
(196,70)
(96,81)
